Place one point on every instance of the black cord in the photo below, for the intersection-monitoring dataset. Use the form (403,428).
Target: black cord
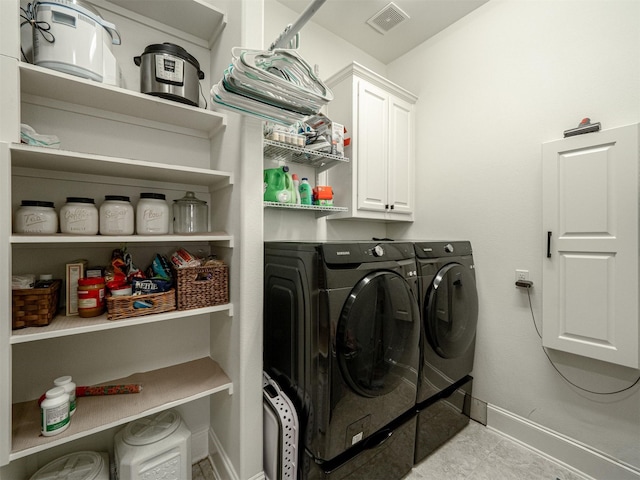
(202,95)
(560,373)
(29,16)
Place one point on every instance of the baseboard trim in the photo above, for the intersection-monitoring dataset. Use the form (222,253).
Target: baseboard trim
(222,465)
(558,447)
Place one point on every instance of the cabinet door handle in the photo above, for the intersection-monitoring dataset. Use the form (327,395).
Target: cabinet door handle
(548,244)
(386,207)
(392,207)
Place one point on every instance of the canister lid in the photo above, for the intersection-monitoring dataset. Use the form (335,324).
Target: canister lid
(190,197)
(156,196)
(119,198)
(36,203)
(75,466)
(151,429)
(80,200)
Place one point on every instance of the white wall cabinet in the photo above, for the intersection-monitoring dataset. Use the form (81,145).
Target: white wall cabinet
(379,183)
(590,270)
(119,141)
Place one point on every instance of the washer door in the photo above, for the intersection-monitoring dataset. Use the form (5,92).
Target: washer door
(451,311)
(377,333)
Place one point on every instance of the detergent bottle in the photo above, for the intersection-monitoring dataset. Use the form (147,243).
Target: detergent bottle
(278,185)
(305,192)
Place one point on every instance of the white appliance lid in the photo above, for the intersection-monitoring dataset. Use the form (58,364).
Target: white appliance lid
(75,466)
(151,429)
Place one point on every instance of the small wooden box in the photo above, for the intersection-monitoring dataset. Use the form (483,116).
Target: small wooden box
(35,307)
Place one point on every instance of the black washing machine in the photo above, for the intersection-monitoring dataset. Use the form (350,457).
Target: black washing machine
(341,338)
(449,310)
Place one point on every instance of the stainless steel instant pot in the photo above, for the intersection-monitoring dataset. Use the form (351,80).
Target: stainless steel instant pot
(169,71)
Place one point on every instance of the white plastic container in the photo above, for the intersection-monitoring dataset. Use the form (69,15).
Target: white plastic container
(154,448)
(83,40)
(70,387)
(116,216)
(35,217)
(54,412)
(76,466)
(152,214)
(79,216)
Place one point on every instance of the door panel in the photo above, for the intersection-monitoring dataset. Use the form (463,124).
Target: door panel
(373,118)
(590,204)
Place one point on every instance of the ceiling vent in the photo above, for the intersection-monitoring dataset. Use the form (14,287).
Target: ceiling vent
(389,17)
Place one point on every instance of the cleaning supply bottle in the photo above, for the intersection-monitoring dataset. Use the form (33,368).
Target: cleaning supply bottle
(305,192)
(296,186)
(278,186)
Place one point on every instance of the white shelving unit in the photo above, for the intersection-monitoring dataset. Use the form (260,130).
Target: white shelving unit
(187,376)
(285,153)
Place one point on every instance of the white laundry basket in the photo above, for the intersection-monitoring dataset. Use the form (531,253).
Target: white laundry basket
(153,448)
(76,466)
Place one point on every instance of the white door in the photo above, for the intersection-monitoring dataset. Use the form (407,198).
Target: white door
(590,270)
(401,157)
(372,146)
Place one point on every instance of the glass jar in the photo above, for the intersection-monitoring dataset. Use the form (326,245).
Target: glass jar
(116,216)
(152,214)
(91,293)
(79,216)
(190,215)
(35,217)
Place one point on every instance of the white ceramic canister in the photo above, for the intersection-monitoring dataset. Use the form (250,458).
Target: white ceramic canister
(35,217)
(116,216)
(152,214)
(159,445)
(80,216)
(76,466)
(54,412)
(69,387)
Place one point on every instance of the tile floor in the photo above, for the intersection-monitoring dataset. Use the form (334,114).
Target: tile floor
(479,453)
(476,453)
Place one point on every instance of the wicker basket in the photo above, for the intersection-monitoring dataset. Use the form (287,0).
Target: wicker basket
(199,287)
(35,307)
(120,307)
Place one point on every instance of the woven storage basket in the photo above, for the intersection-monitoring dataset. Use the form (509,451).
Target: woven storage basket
(35,307)
(200,287)
(120,307)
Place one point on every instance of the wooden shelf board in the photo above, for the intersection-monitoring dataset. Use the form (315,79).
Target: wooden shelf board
(42,158)
(60,238)
(48,83)
(62,326)
(162,389)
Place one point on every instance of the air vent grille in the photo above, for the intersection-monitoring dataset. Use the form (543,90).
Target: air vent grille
(389,17)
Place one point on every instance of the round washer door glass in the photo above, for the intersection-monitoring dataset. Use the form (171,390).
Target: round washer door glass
(451,311)
(377,333)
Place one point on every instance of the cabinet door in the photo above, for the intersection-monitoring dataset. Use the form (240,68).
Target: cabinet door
(372,145)
(401,162)
(590,273)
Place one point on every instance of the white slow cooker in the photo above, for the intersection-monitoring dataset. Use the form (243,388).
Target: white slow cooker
(76,466)
(82,40)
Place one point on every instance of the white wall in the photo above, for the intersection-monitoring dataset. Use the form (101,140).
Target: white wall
(492,88)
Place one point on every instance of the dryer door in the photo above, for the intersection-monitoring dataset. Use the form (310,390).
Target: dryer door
(377,334)
(451,311)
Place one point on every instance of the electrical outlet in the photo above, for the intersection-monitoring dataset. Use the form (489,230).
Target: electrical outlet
(522,275)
